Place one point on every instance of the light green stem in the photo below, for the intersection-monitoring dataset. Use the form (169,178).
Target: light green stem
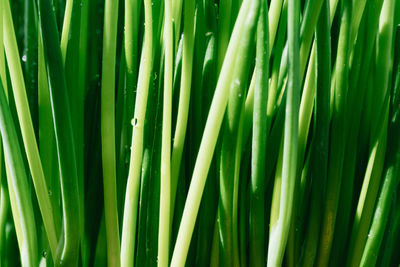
(184,97)
(165,194)
(280,229)
(133,184)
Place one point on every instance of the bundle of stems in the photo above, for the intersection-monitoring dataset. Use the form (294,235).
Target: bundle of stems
(199,133)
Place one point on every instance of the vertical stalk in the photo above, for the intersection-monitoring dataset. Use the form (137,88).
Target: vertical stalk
(108,131)
(184,97)
(132,190)
(259,140)
(176,13)
(165,193)
(224,30)
(274,14)
(66,28)
(337,137)
(81,88)
(280,228)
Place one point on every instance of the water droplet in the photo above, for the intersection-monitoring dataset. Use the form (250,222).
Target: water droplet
(44,254)
(50,193)
(24,58)
(237,82)
(134,122)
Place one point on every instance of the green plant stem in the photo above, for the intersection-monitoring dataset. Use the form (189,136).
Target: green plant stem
(227,208)
(68,247)
(126,92)
(390,238)
(224,30)
(353,111)
(65,33)
(81,90)
(257,195)
(133,184)
(308,23)
(305,114)
(165,193)
(184,97)
(356,19)
(236,181)
(383,59)
(47,141)
(70,51)
(208,144)
(274,14)
(273,87)
(21,205)
(381,213)
(176,13)
(337,137)
(372,179)
(128,86)
(25,121)
(390,182)
(280,228)
(310,17)
(108,131)
(29,58)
